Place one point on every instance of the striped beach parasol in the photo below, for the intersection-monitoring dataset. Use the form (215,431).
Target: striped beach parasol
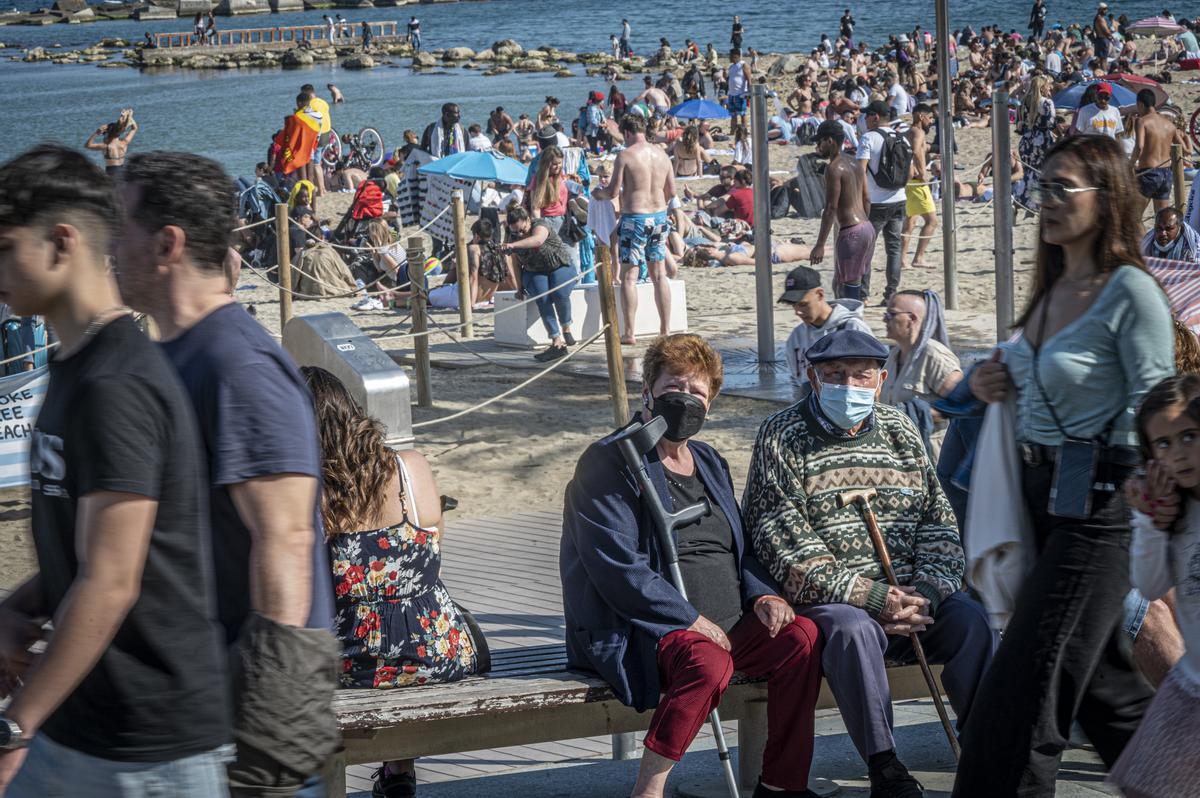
(1155,26)
(1181,280)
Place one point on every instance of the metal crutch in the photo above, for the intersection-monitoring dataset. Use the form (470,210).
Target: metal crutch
(636,440)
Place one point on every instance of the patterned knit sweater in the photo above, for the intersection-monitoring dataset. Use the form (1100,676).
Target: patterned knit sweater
(822,554)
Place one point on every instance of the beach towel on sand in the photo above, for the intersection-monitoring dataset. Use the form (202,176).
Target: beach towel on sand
(321,272)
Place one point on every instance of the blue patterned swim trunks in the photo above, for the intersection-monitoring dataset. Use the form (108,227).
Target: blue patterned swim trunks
(642,238)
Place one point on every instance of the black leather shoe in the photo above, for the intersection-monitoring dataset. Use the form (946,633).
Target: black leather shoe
(894,781)
(395,785)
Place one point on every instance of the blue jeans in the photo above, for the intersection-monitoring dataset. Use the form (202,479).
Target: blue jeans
(55,771)
(554,308)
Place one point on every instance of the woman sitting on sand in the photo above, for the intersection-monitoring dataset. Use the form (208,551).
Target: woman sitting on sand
(396,622)
(488,269)
(389,258)
(304,194)
(688,156)
(117,138)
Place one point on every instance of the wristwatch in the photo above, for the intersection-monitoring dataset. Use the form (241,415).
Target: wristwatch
(11,736)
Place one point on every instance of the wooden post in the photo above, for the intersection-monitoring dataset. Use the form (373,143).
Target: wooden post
(1177,172)
(612,337)
(462,265)
(416,278)
(283,247)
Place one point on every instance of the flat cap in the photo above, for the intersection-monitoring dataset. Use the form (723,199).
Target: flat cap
(847,345)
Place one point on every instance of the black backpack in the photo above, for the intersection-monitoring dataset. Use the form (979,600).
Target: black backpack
(895,160)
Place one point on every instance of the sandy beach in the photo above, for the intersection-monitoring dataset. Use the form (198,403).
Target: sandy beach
(519,453)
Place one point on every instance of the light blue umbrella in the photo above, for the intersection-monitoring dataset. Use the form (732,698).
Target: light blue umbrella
(699,109)
(1069,98)
(479,166)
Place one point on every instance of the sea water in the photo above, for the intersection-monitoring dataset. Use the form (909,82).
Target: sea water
(230,115)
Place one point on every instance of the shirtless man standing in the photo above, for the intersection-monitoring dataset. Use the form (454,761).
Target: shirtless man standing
(644,182)
(847,203)
(918,197)
(1102,37)
(655,97)
(500,124)
(1153,136)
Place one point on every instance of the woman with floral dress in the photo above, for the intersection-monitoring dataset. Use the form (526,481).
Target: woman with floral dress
(1036,126)
(395,620)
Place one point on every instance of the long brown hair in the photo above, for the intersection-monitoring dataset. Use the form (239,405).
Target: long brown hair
(1104,163)
(356,466)
(548,186)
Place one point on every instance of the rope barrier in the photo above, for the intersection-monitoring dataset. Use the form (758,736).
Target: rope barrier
(515,388)
(268,220)
(28,354)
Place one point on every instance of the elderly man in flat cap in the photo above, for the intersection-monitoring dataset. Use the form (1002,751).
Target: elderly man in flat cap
(839,440)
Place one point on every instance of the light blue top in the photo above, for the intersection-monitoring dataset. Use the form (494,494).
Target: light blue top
(1099,366)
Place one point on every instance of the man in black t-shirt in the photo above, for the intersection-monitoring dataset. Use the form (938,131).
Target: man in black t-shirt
(274,585)
(130,693)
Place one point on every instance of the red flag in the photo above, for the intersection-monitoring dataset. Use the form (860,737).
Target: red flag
(298,140)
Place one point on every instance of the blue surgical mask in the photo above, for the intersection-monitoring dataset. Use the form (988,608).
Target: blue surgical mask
(846,405)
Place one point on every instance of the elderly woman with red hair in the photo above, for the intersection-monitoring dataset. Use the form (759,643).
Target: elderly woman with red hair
(627,622)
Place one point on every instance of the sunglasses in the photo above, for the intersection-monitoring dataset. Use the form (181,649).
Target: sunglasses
(1045,190)
(888,315)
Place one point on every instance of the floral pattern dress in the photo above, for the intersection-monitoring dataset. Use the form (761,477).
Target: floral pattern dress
(395,620)
(1037,137)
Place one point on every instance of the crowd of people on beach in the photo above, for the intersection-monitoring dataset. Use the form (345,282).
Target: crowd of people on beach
(224,539)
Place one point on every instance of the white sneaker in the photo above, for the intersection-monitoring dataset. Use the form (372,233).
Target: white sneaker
(368,303)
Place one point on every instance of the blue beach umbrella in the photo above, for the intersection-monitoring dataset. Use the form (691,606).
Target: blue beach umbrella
(699,109)
(479,166)
(1068,99)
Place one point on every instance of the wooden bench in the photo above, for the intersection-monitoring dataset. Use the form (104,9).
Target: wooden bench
(530,697)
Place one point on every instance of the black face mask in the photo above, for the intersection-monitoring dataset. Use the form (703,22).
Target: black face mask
(683,413)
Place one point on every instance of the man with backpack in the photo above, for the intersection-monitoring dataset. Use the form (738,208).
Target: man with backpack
(885,156)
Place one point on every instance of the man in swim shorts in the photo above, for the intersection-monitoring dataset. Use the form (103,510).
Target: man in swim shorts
(1154,134)
(918,197)
(644,181)
(738,81)
(845,203)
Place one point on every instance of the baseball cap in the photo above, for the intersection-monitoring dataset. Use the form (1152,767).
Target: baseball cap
(879,108)
(799,282)
(1104,87)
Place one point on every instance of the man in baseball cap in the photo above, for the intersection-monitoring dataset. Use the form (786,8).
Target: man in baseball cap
(1100,118)
(818,318)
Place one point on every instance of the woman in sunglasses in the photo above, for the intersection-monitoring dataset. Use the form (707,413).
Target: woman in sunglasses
(1096,336)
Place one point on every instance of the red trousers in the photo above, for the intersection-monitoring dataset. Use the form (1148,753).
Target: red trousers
(695,672)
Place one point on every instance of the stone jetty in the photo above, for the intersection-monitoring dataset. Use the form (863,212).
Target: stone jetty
(503,57)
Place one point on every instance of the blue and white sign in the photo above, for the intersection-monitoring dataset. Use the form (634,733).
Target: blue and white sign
(21,398)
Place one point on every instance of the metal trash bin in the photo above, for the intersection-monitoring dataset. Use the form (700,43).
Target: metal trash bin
(333,342)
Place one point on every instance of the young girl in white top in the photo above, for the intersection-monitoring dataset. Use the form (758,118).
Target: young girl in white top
(1160,760)
(742,153)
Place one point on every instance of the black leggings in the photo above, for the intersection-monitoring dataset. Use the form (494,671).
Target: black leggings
(1063,656)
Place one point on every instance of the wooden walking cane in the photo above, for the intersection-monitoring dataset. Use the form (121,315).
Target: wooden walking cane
(862,498)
